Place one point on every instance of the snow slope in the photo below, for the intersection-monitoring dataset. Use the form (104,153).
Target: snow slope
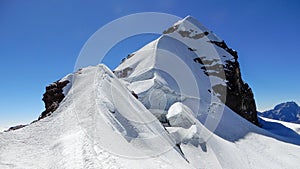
(174,123)
(293,126)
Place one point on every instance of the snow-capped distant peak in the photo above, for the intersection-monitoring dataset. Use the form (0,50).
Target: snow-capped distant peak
(292,105)
(288,111)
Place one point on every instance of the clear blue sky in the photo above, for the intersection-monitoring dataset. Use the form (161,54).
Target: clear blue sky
(40,41)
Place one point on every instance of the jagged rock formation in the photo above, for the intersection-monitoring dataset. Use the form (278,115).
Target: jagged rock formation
(52,97)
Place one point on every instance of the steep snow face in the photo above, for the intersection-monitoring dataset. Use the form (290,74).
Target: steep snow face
(195,64)
(289,112)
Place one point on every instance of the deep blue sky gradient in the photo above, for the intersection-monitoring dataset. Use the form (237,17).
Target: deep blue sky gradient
(40,41)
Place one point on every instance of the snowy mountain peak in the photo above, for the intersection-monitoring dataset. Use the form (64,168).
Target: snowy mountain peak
(292,105)
(189,21)
(185,57)
(189,27)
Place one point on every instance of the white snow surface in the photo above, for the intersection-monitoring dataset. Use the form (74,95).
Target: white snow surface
(100,124)
(180,115)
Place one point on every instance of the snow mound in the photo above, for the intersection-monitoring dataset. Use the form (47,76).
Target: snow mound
(180,115)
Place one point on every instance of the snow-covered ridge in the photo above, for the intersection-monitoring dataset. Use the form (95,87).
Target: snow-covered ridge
(148,114)
(97,111)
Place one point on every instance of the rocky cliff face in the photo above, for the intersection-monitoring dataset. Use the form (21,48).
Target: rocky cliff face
(239,96)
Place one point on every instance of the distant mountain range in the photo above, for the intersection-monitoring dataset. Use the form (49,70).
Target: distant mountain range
(289,112)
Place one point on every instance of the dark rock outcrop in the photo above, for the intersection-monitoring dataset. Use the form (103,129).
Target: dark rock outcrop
(15,128)
(52,97)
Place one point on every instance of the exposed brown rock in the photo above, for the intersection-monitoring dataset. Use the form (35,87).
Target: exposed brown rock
(171,29)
